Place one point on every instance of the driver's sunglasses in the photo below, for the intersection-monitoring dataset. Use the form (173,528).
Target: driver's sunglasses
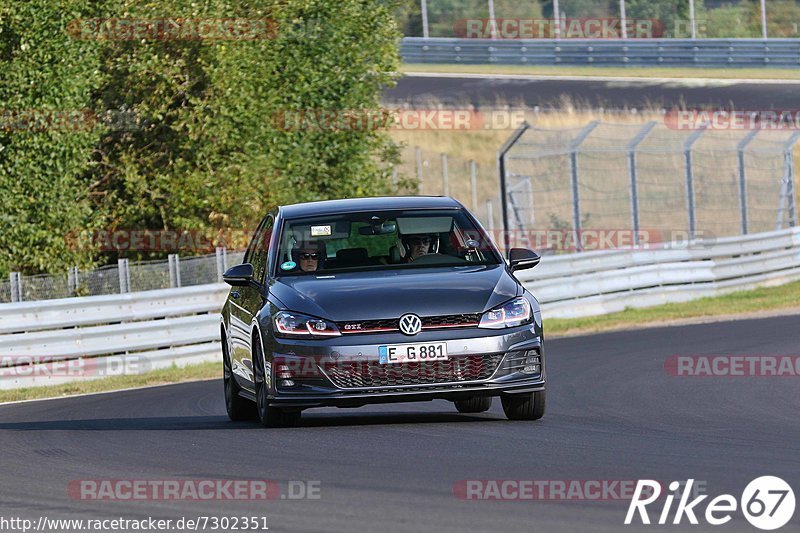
(417,241)
(309,256)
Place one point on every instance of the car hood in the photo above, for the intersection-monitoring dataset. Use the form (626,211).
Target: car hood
(390,294)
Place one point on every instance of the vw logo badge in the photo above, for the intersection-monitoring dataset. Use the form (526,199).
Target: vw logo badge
(410,324)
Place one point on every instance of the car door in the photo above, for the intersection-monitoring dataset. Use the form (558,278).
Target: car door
(245,302)
(251,299)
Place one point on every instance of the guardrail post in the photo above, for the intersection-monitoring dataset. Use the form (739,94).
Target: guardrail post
(222,262)
(473,177)
(743,178)
(124,276)
(16,286)
(72,280)
(634,144)
(573,170)
(445,176)
(687,154)
(174,270)
(418,156)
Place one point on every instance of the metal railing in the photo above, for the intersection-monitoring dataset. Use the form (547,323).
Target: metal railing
(708,53)
(124,277)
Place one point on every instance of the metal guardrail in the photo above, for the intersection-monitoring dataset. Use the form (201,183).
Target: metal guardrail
(106,335)
(721,53)
(594,283)
(156,329)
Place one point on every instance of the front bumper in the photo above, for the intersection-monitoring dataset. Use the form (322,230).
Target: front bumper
(307,366)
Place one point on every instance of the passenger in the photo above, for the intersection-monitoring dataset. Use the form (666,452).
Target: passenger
(310,255)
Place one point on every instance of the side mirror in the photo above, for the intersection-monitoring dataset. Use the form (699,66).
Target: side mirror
(522,258)
(239,275)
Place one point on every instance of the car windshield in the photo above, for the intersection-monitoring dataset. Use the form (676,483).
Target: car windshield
(381,241)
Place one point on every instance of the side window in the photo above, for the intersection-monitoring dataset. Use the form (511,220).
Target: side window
(261,249)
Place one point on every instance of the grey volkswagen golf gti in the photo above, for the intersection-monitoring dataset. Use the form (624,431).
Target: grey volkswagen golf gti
(353,302)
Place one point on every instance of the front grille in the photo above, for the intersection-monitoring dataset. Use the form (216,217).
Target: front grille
(393,324)
(373,374)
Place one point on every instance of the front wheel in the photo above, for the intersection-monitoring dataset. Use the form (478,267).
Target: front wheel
(269,417)
(524,406)
(238,408)
(476,404)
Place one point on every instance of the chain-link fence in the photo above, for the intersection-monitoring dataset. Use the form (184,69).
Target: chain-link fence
(121,278)
(651,180)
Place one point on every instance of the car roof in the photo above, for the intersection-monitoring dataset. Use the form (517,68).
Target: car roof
(354,205)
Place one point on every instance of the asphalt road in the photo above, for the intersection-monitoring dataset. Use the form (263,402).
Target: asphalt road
(613,414)
(609,93)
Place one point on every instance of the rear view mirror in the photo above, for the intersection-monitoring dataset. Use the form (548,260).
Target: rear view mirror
(522,258)
(386,228)
(239,275)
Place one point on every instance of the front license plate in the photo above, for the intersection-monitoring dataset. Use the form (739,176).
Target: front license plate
(412,353)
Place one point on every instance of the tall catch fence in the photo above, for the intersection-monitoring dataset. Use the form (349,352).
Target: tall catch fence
(657,183)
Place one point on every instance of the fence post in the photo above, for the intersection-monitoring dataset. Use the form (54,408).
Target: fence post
(490,216)
(743,178)
(124,276)
(174,270)
(788,199)
(573,170)
(501,164)
(790,176)
(445,176)
(473,177)
(632,147)
(222,262)
(424,9)
(687,154)
(16,286)
(418,156)
(72,279)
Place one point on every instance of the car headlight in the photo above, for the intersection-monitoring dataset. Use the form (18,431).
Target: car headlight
(289,324)
(510,314)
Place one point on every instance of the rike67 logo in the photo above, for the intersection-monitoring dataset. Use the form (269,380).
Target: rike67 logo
(767,503)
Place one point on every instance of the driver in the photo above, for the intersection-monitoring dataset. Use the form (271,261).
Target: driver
(417,246)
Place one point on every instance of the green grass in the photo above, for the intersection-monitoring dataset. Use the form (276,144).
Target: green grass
(734,304)
(157,377)
(663,72)
(730,305)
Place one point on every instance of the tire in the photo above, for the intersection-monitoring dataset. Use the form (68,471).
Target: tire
(270,417)
(525,406)
(238,408)
(476,404)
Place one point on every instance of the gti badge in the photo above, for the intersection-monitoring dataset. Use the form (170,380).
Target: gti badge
(410,324)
